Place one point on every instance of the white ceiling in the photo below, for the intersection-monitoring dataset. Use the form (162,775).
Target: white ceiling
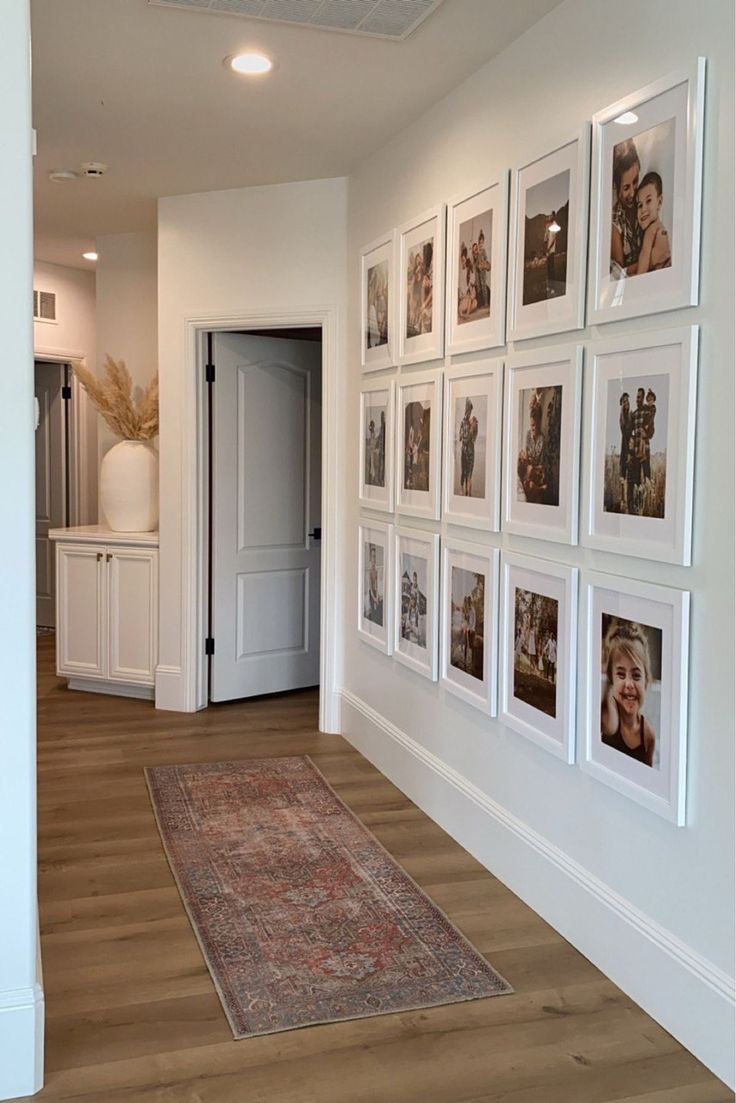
(143,89)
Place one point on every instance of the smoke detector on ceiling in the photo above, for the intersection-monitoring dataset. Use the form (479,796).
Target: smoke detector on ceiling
(62,176)
(93,168)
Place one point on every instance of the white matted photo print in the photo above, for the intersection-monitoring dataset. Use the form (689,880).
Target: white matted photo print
(416,578)
(646,197)
(542,444)
(418,444)
(469,632)
(641,415)
(472,445)
(377,275)
(549,240)
(538,651)
(420,286)
(377,444)
(375,584)
(476,269)
(635,678)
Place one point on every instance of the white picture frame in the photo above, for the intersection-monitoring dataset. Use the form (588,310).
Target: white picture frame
(664,121)
(378,303)
(469,633)
(421,313)
(473,440)
(540,500)
(538,648)
(482,212)
(639,500)
(375,584)
(653,624)
(377,447)
(545,295)
(417,462)
(415,601)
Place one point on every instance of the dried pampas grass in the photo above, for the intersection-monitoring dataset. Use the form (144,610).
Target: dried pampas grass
(113,398)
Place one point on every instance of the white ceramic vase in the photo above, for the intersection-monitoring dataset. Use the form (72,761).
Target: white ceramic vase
(129,487)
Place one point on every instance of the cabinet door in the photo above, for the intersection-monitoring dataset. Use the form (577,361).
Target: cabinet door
(81,610)
(133,610)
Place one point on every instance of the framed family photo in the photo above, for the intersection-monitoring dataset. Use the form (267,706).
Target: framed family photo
(646,196)
(472,447)
(549,239)
(538,651)
(468,648)
(418,444)
(375,584)
(635,675)
(416,576)
(542,444)
(421,287)
(476,269)
(638,488)
(377,442)
(377,303)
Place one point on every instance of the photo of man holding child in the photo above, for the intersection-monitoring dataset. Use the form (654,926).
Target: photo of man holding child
(474,268)
(642,202)
(635,474)
(631,679)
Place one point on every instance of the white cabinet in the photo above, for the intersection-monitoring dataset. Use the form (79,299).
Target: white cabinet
(107,609)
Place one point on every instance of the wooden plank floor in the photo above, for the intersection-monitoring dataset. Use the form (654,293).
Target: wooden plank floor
(131,1012)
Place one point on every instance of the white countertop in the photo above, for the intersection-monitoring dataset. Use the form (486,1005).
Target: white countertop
(100,534)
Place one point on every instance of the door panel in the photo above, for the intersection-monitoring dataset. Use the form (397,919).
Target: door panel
(132,582)
(266,472)
(50,483)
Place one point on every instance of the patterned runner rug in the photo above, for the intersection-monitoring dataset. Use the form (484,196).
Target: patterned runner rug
(302,916)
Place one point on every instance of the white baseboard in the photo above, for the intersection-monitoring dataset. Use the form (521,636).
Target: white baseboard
(21,1042)
(111,689)
(688,995)
(171,689)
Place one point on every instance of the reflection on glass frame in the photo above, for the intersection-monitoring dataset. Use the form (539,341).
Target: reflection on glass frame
(377,445)
(538,651)
(472,445)
(375,584)
(377,293)
(646,196)
(420,286)
(416,576)
(418,443)
(476,269)
(549,234)
(641,420)
(469,639)
(542,444)
(635,675)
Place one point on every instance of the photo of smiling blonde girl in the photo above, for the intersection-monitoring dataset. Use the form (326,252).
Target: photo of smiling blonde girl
(628,675)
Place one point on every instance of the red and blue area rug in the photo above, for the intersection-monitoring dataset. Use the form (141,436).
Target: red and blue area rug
(302,916)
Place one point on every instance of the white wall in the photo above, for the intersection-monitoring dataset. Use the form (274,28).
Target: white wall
(650,903)
(21,998)
(232,253)
(73,334)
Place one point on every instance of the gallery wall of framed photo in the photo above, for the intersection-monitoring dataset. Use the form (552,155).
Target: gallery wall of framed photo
(558,438)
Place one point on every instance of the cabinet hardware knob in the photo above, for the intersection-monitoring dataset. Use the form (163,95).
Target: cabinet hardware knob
(109,556)
(99,557)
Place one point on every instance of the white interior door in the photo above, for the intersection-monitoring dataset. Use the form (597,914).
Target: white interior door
(266,487)
(50,483)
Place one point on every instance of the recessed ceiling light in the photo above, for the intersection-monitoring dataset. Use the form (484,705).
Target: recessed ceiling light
(627,118)
(90,256)
(250,64)
(62,176)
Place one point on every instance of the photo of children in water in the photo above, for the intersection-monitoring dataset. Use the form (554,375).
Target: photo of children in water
(377,305)
(469,436)
(467,597)
(631,667)
(547,206)
(539,437)
(474,268)
(419,288)
(414,599)
(373,582)
(374,431)
(417,430)
(635,475)
(535,650)
(642,177)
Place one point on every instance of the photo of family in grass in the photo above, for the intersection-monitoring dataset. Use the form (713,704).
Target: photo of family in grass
(470,426)
(417,429)
(414,599)
(376,333)
(642,201)
(635,475)
(419,288)
(535,650)
(374,441)
(474,268)
(547,207)
(631,673)
(467,602)
(538,458)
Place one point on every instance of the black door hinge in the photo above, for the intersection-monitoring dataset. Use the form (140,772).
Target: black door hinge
(209,646)
(66,392)
(209,373)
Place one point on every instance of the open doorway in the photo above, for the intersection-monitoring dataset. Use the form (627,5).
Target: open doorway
(52,391)
(265,493)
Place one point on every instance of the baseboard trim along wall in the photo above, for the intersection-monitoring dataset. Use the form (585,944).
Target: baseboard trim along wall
(21,1041)
(688,995)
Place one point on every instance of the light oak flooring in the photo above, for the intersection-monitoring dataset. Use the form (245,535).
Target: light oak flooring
(132,1015)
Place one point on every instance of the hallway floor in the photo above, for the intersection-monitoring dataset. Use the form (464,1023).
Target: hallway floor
(132,1015)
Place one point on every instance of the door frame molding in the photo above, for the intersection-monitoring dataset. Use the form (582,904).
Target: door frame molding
(194,550)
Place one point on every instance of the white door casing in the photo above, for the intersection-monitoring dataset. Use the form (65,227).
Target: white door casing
(266,491)
(51,505)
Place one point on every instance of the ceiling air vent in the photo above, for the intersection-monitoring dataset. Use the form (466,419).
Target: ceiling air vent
(395,19)
(44,306)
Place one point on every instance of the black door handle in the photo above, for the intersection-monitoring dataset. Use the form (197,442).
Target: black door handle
(316,534)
